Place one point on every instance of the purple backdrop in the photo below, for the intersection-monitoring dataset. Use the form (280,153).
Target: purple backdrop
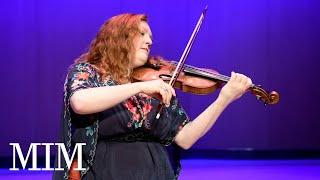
(275,42)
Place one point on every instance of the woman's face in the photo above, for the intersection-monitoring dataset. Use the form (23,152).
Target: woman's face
(142,44)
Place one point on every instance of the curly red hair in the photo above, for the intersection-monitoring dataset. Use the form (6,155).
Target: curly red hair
(112,49)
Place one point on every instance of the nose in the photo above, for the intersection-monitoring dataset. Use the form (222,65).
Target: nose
(148,41)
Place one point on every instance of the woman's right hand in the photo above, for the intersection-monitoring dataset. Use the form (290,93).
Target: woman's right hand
(156,88)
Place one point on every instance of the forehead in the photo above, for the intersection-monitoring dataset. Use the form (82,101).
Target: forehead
(143,26)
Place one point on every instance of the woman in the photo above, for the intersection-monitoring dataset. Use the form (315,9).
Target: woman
(115,117)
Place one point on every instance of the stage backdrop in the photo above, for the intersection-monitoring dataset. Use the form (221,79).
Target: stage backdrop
(275,42)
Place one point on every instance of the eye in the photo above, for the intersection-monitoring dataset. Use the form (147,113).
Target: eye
(142,33)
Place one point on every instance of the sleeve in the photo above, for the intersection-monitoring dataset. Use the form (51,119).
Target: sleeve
(172,120)
(179,119)
(80,76)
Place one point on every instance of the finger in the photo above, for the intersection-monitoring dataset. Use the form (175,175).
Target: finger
(169,95)
(242,79)
(236,77)
(232,76)
(163,92)
(166,89)
(169,98)
(163,95)
(248,83)
(245,81)
(171,90)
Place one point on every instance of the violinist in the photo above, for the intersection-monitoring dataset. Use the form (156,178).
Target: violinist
(116,117)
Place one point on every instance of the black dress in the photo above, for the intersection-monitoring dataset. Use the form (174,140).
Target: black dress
(125,141)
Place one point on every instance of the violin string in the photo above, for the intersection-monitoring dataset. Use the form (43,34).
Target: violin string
(203,72)
(217,76)
(210,74)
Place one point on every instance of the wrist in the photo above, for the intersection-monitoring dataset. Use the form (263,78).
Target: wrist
(137,87)
(223,101)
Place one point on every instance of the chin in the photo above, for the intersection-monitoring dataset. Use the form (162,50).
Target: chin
(140,60)
(139,63)
(143,60)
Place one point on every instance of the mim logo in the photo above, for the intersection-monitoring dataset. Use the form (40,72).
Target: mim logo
(33,150)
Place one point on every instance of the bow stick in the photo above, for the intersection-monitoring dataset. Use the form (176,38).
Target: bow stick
(185,54)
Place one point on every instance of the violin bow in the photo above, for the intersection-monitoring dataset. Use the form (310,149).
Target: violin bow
(185,54)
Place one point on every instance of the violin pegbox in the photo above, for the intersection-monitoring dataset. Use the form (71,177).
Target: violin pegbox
(265,97)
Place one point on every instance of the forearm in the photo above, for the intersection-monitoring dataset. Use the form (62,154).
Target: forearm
(93,100)
(195,129)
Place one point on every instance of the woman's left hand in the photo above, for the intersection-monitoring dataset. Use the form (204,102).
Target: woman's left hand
(235,88)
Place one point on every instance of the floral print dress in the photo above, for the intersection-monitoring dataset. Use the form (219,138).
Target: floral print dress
(125,141)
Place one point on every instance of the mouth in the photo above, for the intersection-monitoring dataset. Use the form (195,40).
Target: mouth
(146,49)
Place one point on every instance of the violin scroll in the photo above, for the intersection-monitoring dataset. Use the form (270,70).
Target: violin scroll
(267,98)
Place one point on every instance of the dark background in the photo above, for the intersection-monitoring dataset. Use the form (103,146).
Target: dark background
(275,42)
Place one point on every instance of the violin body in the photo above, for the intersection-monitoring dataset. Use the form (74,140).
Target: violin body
(158,68)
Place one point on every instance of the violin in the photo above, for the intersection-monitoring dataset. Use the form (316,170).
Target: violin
(194,80)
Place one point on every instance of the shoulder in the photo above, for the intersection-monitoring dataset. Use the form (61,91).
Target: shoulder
(82,72)
(83,67)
